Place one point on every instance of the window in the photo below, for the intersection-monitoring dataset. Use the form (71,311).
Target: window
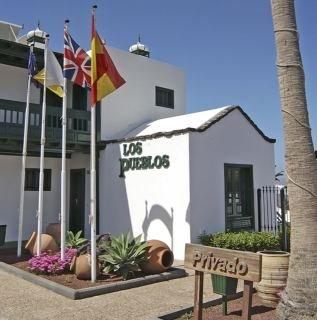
(79,98)
(52,99)
(32,177)
(164,97)
(239,197)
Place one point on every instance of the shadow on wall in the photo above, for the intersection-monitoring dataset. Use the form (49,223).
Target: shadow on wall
(188,220)
(115,216)
(157,212)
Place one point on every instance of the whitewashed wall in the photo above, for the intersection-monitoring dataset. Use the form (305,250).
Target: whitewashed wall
(189,196)
(230,141)
(134,103)
(13,84)
(149,202)
(10,193)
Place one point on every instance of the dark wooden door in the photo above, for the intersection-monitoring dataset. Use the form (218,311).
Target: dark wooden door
(239,197)
(77,200)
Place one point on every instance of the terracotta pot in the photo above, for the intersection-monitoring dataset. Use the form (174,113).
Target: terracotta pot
(73,264)
(274,276)
(54,230)
(48,244)
(160,257)
(81,266)
(31,242)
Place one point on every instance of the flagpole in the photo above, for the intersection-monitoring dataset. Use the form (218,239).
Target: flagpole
(93,185)
(41,180)
(24,153)
(93,193)
(63,172)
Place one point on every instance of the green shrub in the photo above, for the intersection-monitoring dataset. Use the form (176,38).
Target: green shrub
(74,240)
(205,238)
(123,255)
(243,241)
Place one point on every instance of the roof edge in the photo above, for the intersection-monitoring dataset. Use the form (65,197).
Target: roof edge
(102,144)
(228,110)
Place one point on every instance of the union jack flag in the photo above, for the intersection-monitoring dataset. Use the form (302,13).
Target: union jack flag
(76,62)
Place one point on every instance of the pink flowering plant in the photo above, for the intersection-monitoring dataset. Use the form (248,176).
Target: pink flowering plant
(51,264)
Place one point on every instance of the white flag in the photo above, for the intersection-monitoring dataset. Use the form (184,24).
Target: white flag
(54,74)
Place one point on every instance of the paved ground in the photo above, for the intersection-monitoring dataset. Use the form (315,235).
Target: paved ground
(21,300)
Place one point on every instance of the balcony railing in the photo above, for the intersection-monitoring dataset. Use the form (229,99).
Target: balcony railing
(12,125)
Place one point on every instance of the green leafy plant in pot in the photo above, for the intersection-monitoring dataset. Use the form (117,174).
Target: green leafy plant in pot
(74,240)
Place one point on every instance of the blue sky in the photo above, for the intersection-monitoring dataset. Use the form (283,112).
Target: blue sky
(226,47)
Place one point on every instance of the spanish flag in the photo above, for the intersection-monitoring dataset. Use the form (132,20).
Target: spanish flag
(105,77)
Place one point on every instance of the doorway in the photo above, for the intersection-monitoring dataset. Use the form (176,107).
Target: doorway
(239,197)
(77,200)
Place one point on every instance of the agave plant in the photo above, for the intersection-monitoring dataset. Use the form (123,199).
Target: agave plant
(74,240)
(123,255)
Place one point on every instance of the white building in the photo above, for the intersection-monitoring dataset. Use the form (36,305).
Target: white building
(161,173)
(204,172)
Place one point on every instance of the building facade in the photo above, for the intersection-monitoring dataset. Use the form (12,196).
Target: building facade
(160,173)
(132,105)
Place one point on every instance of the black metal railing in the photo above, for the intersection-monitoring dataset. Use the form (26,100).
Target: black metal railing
(12,123)
(273,212)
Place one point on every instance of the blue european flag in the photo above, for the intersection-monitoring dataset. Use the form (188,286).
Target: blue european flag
(32,64)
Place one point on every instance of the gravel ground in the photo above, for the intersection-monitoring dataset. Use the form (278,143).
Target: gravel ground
(22,300)
(258,312)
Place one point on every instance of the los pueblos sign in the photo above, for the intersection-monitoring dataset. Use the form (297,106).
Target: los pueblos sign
(139,162)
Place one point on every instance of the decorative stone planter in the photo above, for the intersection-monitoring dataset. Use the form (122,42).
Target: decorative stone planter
(3,229)
(160,257)
(274,276)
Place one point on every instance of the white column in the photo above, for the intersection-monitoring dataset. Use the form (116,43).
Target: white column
(41,181)
(24,153)
(63,172)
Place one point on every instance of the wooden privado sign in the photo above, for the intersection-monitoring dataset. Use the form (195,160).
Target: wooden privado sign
(230,263)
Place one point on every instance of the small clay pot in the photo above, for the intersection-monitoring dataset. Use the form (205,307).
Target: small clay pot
(82,267)
(48,244)
(54,230)
(160,257)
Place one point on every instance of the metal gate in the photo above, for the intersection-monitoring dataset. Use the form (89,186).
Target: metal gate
(273,212)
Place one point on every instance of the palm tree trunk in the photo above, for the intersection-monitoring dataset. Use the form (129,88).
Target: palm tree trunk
(300,297)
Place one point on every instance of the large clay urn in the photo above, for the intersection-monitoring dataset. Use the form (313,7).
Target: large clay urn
(48,244)
(160,257)
(274,277)
(81,266)
(54,230)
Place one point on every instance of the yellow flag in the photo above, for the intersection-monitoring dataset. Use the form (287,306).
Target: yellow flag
(54,75)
